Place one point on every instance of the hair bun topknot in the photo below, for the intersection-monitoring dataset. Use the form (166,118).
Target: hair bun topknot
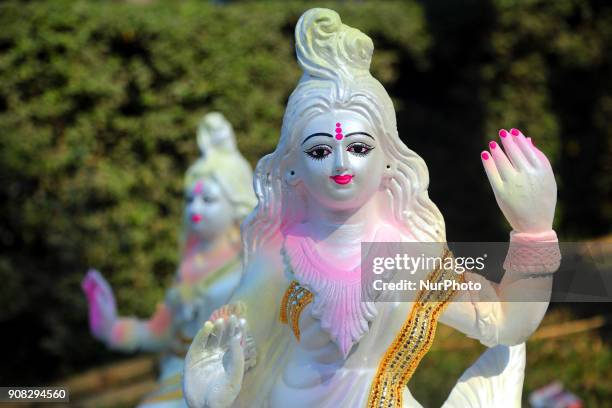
(215,134)
(328,49)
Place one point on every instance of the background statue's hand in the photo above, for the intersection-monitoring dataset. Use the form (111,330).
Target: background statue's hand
(215,364)
(102,306)
(522,181)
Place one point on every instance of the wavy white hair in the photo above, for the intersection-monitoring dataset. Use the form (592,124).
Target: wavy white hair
(336,59)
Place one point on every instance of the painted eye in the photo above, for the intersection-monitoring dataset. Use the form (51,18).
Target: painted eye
(319,152)
(208,199)
(360,149)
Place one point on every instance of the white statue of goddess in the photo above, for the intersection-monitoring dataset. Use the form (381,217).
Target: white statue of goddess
(218,195)
(296,331)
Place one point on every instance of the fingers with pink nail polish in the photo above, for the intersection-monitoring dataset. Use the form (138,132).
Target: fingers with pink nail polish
(491,170)
(525,147)
(502,163)
(513,151)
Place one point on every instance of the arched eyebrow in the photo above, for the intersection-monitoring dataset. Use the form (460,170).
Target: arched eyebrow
(360,133)
(316,134)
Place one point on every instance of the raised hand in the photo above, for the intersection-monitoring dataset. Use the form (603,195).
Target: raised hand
(522,181)
(102,306)
(215,364)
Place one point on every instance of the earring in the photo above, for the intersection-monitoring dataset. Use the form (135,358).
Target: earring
(388,170)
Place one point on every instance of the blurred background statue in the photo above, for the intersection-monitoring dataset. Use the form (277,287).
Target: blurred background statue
(218,195)
(297,331)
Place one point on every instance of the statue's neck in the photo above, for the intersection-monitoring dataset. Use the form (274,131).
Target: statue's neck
(223,241)
(205,256)
(346,227)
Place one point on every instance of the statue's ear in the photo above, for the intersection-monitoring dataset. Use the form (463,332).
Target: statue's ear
(388,170)
(291,177)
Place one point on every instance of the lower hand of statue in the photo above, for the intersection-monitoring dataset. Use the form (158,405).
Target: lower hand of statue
(523,182)
(215,364)
(102,306)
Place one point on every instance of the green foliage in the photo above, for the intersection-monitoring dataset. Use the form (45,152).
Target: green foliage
(99,103)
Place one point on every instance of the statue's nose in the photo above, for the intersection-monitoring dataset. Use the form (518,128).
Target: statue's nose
(340,161)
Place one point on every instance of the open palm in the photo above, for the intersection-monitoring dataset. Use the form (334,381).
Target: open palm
(523,182)
(215,363)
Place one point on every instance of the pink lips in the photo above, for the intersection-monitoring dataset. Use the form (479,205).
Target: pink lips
(343,179)
(196,218)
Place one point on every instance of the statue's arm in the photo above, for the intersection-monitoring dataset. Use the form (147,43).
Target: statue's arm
(154,334)
(123,333)
(509,312)
(526,192)
(126,333)
(231,342)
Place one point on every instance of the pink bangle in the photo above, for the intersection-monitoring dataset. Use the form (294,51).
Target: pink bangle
(546,236)
(533,253)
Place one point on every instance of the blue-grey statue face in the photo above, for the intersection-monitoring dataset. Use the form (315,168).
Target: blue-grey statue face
(207,208)
(339,160)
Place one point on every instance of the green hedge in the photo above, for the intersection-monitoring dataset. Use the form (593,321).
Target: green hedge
(99,104)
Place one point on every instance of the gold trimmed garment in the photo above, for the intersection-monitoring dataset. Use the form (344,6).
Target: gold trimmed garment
(413,341)
(294,301)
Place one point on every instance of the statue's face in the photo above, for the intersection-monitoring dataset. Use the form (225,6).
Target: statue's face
(209,212)
(339,160)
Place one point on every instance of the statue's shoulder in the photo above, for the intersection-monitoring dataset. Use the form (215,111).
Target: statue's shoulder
(387,232)
(267,260)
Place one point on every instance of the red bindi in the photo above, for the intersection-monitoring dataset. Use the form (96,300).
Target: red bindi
(339,134)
